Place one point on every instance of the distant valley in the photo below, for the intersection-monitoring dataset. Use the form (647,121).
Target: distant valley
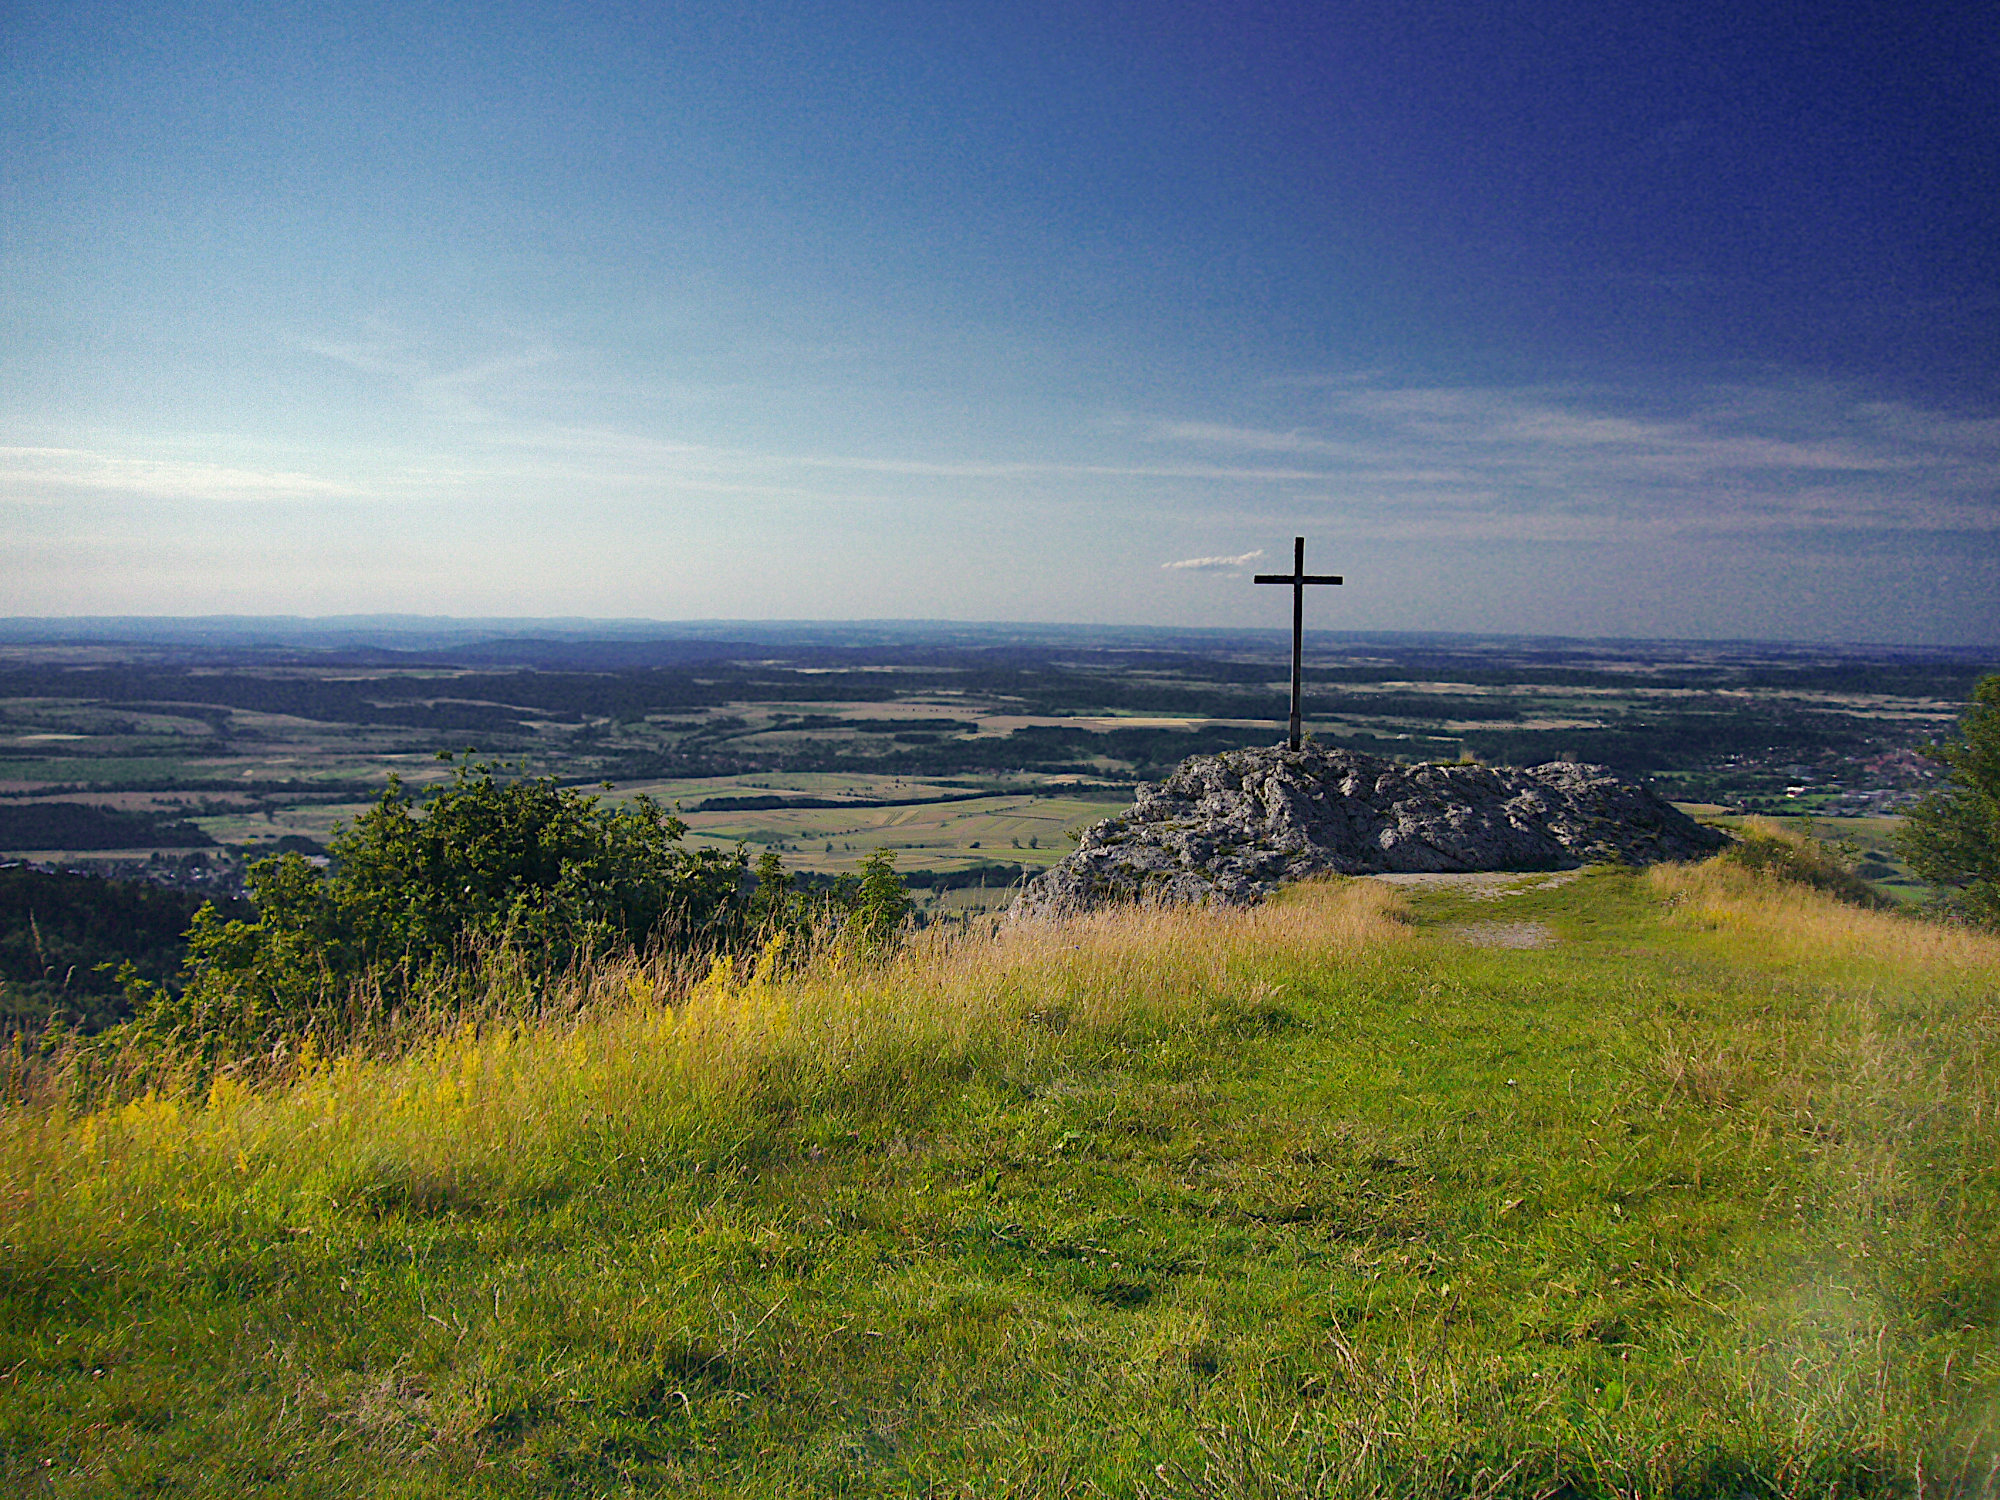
(972,752)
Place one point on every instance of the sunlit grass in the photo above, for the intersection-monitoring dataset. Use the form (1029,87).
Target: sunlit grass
(481,1115)
(1702,1199)
(1779,920)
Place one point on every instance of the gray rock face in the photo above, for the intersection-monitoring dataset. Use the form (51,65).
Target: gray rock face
(1228,828)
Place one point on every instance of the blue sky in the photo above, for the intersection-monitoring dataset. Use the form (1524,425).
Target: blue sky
(1593,318)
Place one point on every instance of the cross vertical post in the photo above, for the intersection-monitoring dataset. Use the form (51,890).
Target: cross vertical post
(1298,578)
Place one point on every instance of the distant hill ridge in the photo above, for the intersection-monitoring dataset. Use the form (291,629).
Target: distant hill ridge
(1228,828)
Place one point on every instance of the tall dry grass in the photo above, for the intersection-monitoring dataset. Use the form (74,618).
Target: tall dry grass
(670,1078)
(1791,920)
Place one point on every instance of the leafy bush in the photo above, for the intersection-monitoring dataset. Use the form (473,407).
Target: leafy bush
(881,903)
(773,901)
(1952,837)
(865,912)
(420,900)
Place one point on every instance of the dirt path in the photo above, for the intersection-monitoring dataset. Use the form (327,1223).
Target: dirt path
(1491,885)
(1504,934)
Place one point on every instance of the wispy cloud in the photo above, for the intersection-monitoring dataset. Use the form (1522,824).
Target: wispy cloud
(1589,463)
(27,472)
(642,453)
(477,390)
(1248,439)
(1215,564)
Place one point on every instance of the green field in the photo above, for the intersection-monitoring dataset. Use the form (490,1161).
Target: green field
(1678,1183)
(944,835)
(856,785)
(947,836)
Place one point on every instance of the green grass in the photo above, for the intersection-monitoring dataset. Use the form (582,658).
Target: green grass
(1701,1198)
(867,786)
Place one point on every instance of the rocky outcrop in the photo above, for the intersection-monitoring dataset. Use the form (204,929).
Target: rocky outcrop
(1228,828)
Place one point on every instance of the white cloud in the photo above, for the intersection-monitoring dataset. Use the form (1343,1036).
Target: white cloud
(1250,439)
(27,472)
(1215,564)
(637,453)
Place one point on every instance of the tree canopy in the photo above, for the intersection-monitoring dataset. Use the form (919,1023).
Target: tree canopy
(1952,837)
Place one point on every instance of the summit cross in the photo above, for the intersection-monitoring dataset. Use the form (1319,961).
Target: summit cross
(1298,578)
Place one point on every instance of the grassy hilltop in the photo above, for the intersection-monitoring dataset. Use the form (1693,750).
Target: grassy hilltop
(1678,1183)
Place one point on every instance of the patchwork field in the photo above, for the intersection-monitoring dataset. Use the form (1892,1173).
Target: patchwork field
(266,745)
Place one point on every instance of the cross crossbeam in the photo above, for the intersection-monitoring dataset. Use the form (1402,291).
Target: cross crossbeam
(1298,578)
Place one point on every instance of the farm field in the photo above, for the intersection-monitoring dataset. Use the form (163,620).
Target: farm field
(847,786)
(1667,1183)
(268,746)
(936,829)
(946,836)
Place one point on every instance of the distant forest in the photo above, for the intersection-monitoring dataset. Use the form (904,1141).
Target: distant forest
(80,825)
(1116,682)
(62,937)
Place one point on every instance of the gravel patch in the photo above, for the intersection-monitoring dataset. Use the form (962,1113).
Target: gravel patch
(1485,885)
(1504,934)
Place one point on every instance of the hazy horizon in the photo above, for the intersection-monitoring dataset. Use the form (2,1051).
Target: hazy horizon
(274,628)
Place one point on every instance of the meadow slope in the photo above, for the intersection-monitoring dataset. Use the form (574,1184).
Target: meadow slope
(1676,1183)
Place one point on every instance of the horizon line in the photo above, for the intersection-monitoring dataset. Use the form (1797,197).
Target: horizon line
(19,626)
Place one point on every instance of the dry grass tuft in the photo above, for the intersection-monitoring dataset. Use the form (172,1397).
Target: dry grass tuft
(1882,1028)
(1795,857)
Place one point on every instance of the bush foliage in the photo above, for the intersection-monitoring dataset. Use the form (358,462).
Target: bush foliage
(419,899)
(1952,837)
(865,912)
(487,884)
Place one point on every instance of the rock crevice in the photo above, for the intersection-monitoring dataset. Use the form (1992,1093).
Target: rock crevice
(1228,828)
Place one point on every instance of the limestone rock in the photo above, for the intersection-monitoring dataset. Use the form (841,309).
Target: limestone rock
(1228,828)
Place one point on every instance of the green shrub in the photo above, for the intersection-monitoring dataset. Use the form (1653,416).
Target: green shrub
(773,903)
(881,902)
(428,900)
(865,912)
